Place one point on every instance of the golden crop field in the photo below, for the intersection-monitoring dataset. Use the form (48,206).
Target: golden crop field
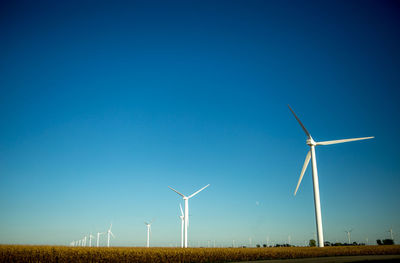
(19,253)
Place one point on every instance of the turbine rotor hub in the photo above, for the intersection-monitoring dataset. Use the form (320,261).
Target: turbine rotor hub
(310,142)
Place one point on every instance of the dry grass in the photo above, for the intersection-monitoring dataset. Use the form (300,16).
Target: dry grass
(16,253)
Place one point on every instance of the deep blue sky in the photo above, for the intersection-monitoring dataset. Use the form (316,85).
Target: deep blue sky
(104,104)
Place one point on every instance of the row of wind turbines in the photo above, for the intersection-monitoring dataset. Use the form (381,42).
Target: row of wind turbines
(184,226)
(83,242)
(311,155)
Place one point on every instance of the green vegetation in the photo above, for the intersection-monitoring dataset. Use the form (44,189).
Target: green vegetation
(15,253)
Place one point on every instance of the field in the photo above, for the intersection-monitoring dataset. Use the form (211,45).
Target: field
(17,253)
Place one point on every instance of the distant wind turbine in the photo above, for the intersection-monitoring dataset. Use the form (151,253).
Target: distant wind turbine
(348,232)
(148,225)
(186,216)
(98,237)
(90,239)
(391,233)
(109,234)
(182,217)
(311,155)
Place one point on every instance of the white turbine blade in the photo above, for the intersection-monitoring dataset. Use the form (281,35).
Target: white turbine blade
(306,162)
(344,140)
(180,206)
(301,124)
(176,191)
(112,234)
(190,196)
(110,227)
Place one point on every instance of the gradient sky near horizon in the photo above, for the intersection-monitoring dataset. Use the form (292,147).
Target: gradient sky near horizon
(103,104)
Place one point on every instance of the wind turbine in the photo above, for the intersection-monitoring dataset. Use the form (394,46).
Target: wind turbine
(311,155)
(90,239)
(182,217)
(348,232)
(148,233)
(109,234)
(391,233)
(186,216)
(98,237)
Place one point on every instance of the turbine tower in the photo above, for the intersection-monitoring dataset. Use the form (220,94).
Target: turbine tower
(90,239)
(348,232)
(186,216)
(182,217)
(109,234)
(98,237)
(148,233)
(311,155)
(391,233)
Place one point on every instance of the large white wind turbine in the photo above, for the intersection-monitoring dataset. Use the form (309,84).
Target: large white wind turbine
(109,234)
(182,217)
(311,155)
(98,237)
(186,216)
(148,225)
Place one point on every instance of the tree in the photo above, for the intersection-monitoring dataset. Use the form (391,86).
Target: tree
(388,242)
(312,243)
(379,242)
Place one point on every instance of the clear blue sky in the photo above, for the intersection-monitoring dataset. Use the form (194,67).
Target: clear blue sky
(103,104)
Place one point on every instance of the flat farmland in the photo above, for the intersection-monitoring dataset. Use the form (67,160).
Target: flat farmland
(21,253)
